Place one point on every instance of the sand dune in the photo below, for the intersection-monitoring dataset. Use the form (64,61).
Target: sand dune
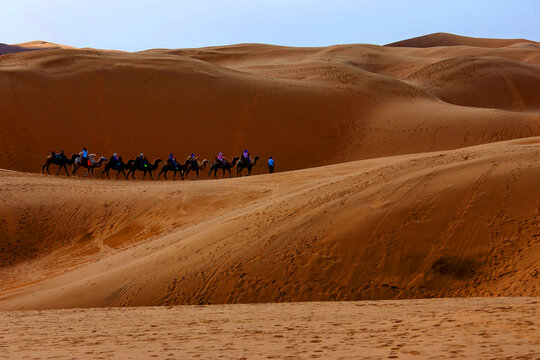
(457,223)
(346,102)
(445,39)
(414,175)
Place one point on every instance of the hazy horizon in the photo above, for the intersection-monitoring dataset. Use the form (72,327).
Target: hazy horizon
(140,25)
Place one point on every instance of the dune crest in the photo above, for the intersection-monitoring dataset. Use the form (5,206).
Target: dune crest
(457,223)
(347,102)
(445,39)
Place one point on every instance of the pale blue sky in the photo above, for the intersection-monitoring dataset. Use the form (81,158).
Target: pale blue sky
(143,24)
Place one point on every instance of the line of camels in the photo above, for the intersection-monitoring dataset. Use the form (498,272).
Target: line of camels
(145,166)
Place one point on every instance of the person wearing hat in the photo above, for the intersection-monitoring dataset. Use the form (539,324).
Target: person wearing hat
(220,158)
(245,157)
(193,160)
(141,161)
(172,160)
(116,159)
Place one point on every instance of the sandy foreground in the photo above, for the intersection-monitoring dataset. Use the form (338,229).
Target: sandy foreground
(475,328)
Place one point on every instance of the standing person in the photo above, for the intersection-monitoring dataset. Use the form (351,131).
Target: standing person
(271,165)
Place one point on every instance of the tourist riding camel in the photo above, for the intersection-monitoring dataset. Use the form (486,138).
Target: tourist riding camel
(246,162)
(59,159)
(245,157)
(193,163)
(117,164)
(141,163)
(90,163)
(84,156)
(223,164)
(174,167)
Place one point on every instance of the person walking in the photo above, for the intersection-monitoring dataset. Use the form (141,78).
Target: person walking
(271,165)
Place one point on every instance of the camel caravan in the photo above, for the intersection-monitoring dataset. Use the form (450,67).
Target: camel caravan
(115,163)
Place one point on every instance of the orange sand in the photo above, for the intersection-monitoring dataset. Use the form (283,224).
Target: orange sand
(415,175)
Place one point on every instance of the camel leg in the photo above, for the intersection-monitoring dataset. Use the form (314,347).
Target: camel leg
(59,168)
(151,177)
(65,168)
(230,174)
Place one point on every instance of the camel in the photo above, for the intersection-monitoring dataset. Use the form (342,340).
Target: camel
(144,166)
(242,164)
(61,160)
(170,167)
(227,165)
(117,165)
(90,165)
(195,165)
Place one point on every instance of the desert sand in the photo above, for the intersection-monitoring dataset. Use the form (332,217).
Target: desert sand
(412,173)
(345,103)
(494,328)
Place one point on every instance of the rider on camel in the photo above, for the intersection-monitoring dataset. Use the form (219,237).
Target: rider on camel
(141,161)
(172,160)
(116,159)
(245,157)
(221,159)
(193,160)
(84,157)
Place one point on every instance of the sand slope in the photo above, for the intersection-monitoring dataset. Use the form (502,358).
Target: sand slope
(503,328)
(457,223)
(304,106)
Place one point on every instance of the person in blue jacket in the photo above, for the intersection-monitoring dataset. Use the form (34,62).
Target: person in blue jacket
(271,165)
